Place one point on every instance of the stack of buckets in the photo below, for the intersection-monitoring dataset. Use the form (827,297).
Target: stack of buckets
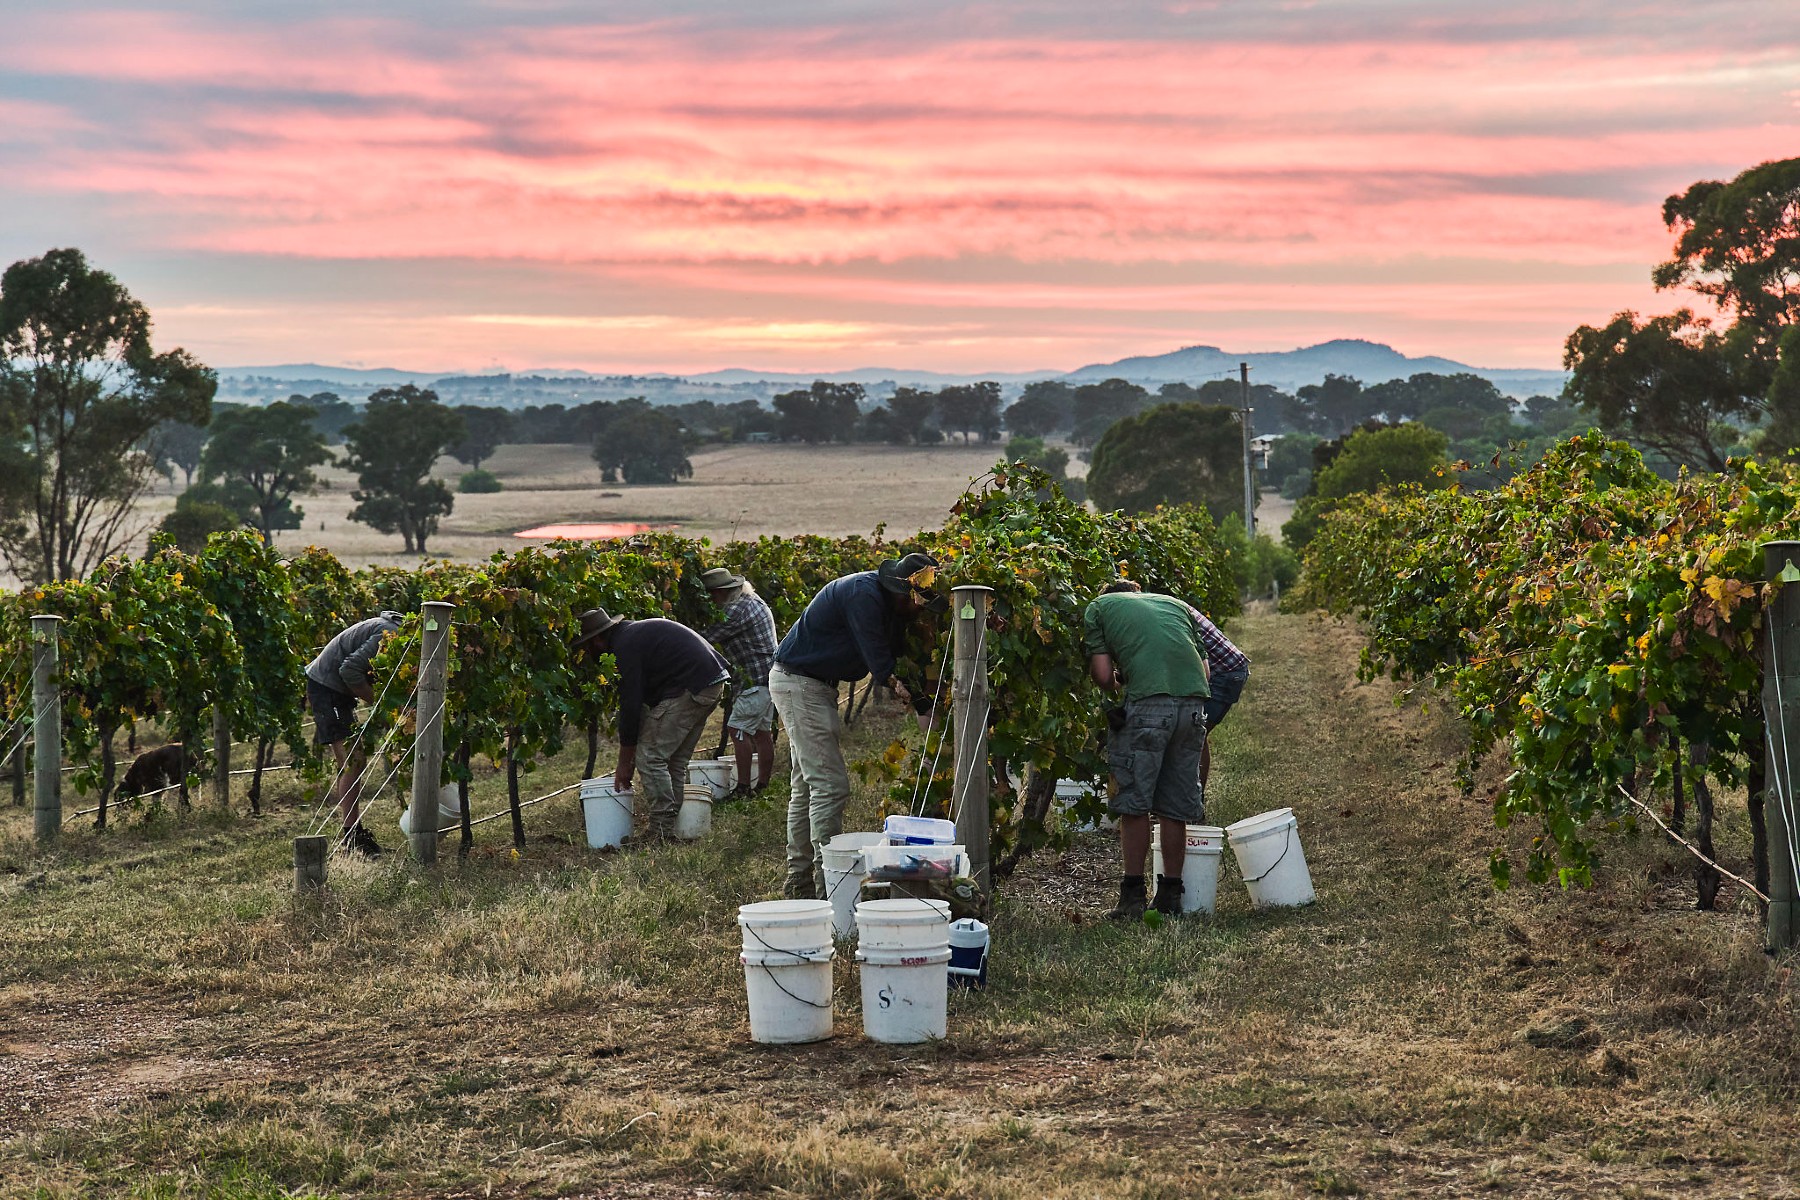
(717,775)
(903,947)
(844,874)
(787,969)
(1199,868)
(694,821)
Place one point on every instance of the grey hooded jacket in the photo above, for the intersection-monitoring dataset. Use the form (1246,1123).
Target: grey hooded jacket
(343,665)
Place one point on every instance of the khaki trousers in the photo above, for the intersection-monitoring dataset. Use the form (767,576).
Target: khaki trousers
(820,781)
(666,741)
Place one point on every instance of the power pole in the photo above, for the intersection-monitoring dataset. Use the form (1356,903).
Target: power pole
(1249,464)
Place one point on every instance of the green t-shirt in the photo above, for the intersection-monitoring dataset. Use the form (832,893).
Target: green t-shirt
(1153,642)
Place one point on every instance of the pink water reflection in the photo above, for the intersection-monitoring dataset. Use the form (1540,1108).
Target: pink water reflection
(591,530)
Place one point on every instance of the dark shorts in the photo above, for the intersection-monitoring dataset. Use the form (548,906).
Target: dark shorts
(1227,686)
(1155,758)
(334,711)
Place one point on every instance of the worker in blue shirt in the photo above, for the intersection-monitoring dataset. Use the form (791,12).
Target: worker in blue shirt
(853,627)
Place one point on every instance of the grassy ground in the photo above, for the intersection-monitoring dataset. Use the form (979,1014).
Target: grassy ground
(568,1023)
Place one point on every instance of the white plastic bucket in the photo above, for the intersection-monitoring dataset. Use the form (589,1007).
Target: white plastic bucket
(449,810)
(905,994)
(787,969)
(844,873)
(607,811)
(1200,867)
(1271,860)
(695,818)
(1069,792)
(903,926)
(717,775)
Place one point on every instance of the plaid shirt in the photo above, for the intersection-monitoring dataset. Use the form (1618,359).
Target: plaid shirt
(746,637)
(1222,657)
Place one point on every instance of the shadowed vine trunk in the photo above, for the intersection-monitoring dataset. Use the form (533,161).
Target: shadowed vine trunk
(462,794)
(1678,813)
(18,771)
(256,774)
(109,764)
(1040,790)
(593,732)
(512,790)
(724,716)
(1706,876)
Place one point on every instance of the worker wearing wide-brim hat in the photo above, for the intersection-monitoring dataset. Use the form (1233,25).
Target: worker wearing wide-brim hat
(670,680)
(854,626)
(746,637)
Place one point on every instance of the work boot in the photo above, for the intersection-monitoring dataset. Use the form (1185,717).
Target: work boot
(799,887)
(1169,889)
(360,841)
(1132,899)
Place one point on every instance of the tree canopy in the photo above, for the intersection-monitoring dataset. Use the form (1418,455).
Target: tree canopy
(825,412)
(646,446)
(1098,406)
(392,449)
(81,391)
(1171,454)
(484,431)
(1044,407)
(1367,460)
(263,458)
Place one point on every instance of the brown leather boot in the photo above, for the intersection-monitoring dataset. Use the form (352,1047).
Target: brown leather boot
(1169,889)
(1133,899)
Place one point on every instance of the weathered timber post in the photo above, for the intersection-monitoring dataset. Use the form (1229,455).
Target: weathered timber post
(1781,719)
(428,750)
(309,864)
(221,781)
(969,791)
(46,707)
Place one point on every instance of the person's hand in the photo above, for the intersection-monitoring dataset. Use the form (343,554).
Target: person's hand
(899,689)
(622,781)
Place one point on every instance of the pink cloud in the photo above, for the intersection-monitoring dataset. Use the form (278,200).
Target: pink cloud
(646,148)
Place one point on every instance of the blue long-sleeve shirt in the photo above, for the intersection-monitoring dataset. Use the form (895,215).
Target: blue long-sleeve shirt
(849,630)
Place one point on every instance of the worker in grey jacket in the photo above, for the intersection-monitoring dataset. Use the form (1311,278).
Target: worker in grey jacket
(335,681)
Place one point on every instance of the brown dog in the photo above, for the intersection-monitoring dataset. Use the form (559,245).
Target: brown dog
(154,769)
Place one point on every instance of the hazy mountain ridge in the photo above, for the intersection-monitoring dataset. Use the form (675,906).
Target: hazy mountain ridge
(1371,362)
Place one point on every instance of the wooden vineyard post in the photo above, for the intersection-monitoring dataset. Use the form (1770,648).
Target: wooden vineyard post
(969,791)
(309,865)
(221,783)
(428,750)
(46,707)
(1781,718)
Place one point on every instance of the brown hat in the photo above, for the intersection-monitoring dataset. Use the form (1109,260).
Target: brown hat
(915,573)
(594,622)
(718,578)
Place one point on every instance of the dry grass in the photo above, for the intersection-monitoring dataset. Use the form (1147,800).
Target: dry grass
(754,490)
(572,1024)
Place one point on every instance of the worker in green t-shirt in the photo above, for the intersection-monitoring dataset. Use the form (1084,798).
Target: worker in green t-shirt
(1148,646)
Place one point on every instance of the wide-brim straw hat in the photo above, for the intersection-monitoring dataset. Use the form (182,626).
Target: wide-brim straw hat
(594,622)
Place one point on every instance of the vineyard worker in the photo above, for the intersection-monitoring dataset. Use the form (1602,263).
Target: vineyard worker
(1227,671)
(1150,646)
(335,681)
(670,680)
(854,626)
(746,637)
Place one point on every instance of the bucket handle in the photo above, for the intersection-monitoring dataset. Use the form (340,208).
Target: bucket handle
(1284,849)
(776,979)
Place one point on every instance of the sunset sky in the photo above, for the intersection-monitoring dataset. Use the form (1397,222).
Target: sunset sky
(689,184)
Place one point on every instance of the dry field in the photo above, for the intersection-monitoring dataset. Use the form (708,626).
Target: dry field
(746,490)
(566,1023)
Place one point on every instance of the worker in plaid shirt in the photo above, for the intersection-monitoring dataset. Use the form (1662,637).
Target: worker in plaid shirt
(746,637)
(1227,671)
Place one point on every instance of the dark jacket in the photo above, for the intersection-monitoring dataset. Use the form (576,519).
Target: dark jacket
(849,630)
(659,659)
(343,665)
